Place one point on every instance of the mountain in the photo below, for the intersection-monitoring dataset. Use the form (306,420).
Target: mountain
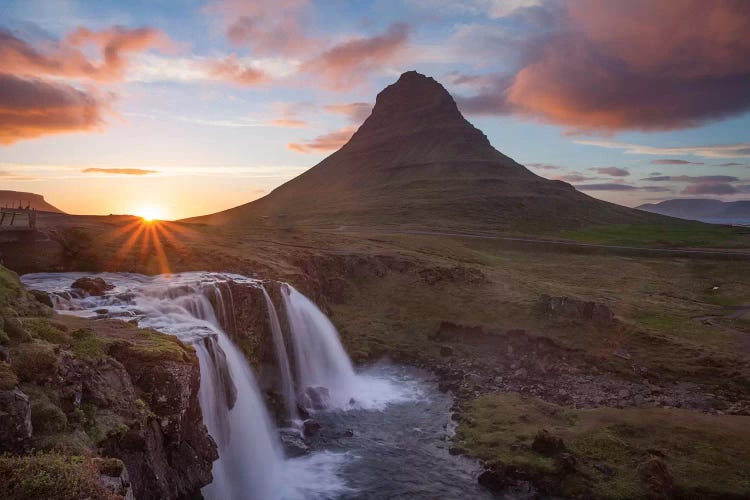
(14,198)
(417,162)
(701,209)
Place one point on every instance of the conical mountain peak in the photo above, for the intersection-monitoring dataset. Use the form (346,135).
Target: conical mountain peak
(417,108)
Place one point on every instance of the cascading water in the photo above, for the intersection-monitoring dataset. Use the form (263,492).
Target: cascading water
(287,384)
(251,464)
(325,375)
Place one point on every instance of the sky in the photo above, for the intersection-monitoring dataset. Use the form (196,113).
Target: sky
(185,107)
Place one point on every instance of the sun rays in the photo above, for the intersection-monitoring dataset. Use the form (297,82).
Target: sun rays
(149,243)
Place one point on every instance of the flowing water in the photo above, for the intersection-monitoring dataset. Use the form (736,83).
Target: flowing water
(384,431)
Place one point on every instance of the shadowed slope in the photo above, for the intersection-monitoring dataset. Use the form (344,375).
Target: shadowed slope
(13,198)
(417,162)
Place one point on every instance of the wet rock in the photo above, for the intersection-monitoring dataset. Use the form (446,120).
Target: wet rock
(92,286)
(293,445)
(494,478)
(42,297)
(310,427)
(547,444)
(15,421)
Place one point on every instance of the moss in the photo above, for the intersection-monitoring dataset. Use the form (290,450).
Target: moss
(34,361)
(703,455)
(43,329)
(50,476)
(155,346)
(10,286)
(46,417)
(86,345)
(15,330)
(108,466)
(8,379)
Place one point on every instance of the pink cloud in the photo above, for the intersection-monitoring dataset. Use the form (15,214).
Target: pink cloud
(232,70)
(324,143)
(345,64)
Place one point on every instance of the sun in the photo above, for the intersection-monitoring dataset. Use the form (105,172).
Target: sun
(150,213)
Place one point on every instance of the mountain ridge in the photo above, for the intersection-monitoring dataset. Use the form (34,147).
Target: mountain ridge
(36,201)
(700,208)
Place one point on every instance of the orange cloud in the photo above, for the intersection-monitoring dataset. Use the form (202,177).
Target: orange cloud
(232,70)
(289,123)
(326,142)
(32,108)
(346,63)
(635,64)
(66,58)
(357,112)
(124,171)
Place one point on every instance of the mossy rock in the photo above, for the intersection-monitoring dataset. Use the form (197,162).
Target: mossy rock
(86,345)
(46,417)
(50,476)
(44,329)
(15,330)
(34,361)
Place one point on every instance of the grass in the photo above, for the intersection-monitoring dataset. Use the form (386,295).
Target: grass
(707,456)
(42,328)
(8,379)
(50,476)
(678,234)
(87,345)
(34,361)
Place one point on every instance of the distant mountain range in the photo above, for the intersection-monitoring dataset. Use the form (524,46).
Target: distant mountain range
(14,198)
(702,209)
(417,162)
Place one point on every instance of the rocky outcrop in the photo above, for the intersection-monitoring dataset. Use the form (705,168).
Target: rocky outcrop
(92,286)
(571,309)
(15,421)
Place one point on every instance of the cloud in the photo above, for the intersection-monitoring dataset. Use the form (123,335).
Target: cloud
(356,112)
(636,64)
(692,179)
(31,108)
(612,171)
(65,58)
(232,70)
(574,178)
(619,187)
(710,188)
(731,164)
(675,162)
(739,150)
(267,28)
(347,63)
(323,143)
(289,123)
(543,166)
(121,171)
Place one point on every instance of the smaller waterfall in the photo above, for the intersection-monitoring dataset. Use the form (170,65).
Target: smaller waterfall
(287,383)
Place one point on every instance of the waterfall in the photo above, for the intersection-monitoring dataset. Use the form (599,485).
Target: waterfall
(320,359)
(287,384)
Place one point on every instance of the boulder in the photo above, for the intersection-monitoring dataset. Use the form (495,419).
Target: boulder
(92,286)
(568,308)
(42,297)
(310,427)
(15,421)
(293,444)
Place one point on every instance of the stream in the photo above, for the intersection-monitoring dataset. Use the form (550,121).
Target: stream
(384,430)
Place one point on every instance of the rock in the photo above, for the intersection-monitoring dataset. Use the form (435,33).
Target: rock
(605,469)
(92,286)
(15,421)
(42,297)
(568,308)
(547,444)
(494,478)
(293,445)
(656,477)
(566,463)
(310,427)
(315,398)
(4,354)
(622,353)
(446,350)
(114,476)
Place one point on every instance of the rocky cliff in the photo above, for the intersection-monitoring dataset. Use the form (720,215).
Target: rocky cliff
(96,408)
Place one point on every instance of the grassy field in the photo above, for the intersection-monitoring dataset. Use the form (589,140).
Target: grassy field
(678,235)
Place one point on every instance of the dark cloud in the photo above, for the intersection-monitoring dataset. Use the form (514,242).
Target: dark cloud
(731,164)
(121,171)
(692,179)
(674,162)
(574,178)
(543,166)
(31,108)
(620,187)
(635,64)
(612,171)
(710,188)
